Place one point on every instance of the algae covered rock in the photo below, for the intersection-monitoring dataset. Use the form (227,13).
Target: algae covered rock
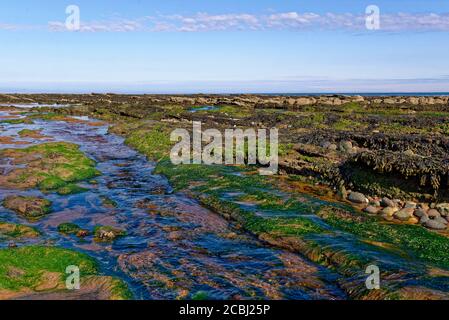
(107,233)
(32,208)
(39,272)
(72,229)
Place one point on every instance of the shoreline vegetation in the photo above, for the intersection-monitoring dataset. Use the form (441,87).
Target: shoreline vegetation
(363,181)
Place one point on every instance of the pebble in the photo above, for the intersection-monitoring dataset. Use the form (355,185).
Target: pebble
(387,217)
(357,197)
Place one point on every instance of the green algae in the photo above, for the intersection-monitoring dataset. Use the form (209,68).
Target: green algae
(17,231)
(108,203)
(32,208)
(50,166)
(419,242)
(17,121)
(154,143)
(71,189)
(24,270)
(69,228)
(33,261)
(29,133)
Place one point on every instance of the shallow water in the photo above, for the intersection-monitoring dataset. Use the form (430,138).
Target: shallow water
(174,247)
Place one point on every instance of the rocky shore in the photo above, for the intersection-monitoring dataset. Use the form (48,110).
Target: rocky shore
(249,100)
(362,181)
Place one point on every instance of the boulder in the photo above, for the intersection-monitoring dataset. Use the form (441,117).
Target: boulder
(389,211)
(346,146)
(385,202)
(436,225)
(32,208)
(404,214)
(413,220)
(420,213)
(357,197)
(424,219)
(372,210)
(433,213)
(443,209)
(410,204)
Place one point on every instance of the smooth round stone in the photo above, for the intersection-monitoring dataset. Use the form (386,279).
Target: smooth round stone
(443,208)
(375,203)
(387,217)
(436,225)
(357,197)
(410,204)
(404,214)
(389,211)
(433,213)
(346,146)
(424,219)
(385,202)
(413,220)
(420,213)
(372,210)
(441,219)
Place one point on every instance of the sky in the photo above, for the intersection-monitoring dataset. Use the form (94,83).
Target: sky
(224,46)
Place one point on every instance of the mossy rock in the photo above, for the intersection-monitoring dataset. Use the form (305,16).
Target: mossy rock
(17,231)
(32,208)
(71,189)
(17,121)
(108,203)
(72,229)
(38,271)
(48,166)
(27,133)
(108,233)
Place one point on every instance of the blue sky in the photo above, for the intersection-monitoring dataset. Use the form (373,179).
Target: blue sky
(224,46)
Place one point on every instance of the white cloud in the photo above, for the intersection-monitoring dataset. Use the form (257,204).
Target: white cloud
(102,26)
(294,21)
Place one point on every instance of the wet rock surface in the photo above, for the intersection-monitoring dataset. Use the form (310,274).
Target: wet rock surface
(164,245)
